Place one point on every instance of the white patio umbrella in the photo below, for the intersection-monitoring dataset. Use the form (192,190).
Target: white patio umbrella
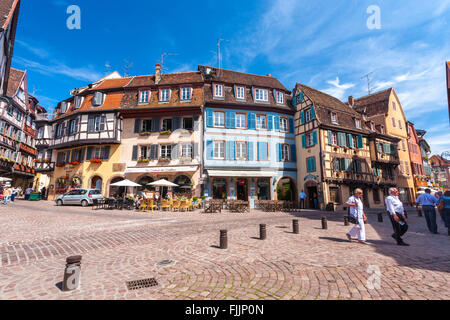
(162,183)
(5,179)
(125,183)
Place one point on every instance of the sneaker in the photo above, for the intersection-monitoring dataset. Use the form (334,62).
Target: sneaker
(349,237)
(403,244)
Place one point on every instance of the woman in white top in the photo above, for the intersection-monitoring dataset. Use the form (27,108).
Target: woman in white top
(357,211)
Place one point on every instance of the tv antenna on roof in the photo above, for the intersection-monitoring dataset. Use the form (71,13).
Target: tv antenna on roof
(369,81)
(107,66)
(163,55)
(219,55)
(127,67)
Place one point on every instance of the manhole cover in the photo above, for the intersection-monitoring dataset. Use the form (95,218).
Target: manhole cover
(165,262)
(140,284)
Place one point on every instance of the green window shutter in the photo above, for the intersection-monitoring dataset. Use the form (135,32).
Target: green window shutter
(304,141)
(314,138)
(313,114)
(360,142)
(330,137)
(302,117)
(350,141)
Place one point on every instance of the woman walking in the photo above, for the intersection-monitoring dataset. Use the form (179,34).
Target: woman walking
(357,211)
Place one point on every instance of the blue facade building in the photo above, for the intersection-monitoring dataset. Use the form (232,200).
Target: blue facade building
(249,138)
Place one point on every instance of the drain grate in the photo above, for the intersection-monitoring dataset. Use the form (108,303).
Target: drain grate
(140,284)
(165,262)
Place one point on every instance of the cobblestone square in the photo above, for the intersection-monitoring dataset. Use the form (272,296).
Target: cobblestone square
(120,246)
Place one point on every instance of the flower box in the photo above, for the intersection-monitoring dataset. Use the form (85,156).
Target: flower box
(143,161)
(61,165)
(95,160)
(75,163)
(48,160)
(145,133)
(37,161)
(168,132)
(164,160)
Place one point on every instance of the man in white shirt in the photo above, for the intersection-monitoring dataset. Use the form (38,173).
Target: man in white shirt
(357,211)
(396,213)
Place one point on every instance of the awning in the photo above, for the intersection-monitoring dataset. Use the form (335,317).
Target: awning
(162,169)
(240,174)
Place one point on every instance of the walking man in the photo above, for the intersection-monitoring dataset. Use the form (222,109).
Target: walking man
(302,196)
(396,213)
(428,203)
(444,201)
(357,211)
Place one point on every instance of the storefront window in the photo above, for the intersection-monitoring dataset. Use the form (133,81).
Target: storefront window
(219,189)
(264,189)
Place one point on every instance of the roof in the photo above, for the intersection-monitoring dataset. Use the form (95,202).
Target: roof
(15,78)
(109,84)
(166,79)
(7,8)
(235,77)
(374,104)
(440,161)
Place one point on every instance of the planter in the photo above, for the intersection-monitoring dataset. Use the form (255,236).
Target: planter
(145,133)
(47,160)
(143,161)
(96,161)
(164,160)
(165,133)
(60,165)
(75,163)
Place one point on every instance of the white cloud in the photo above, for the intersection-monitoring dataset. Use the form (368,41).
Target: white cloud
(338,90)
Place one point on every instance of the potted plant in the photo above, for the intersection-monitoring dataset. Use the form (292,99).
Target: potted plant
(146,133)
(75,162)
(164,160)
(47,160)
(60,164)
(37,161)
(96,160)
(167,132)
(142,160)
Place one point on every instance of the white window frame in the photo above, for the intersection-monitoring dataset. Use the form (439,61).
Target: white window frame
(285,152)
(215,117)
(162,124)
(334,138)
(187,151)
(164,152)
(262,95)
(162,95)
(218,90)
(334,119)
(280,97)
(219,146)
(239,124)
(183,96)
(142,95)
(358,123)
(309,140)
(240,93)
(284,124)
(258,123)
(241,150)
(308,115)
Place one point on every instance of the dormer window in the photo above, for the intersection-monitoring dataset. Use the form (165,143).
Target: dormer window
(358,123)
(186,94)
(63,107)
(164,95)
(97,100)
(261,95)
(372,126)
(218,90)
(144,96)
(334,118)
(240,93)
(280,97)
(77,102)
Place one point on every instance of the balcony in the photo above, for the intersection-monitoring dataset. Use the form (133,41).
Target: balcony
(44,166)
(42,143)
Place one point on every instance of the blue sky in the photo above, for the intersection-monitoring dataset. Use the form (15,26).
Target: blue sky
(324,44)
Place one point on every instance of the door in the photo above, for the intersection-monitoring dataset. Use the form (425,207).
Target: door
(366,198)
(69,198)
(242,190)
(312,194)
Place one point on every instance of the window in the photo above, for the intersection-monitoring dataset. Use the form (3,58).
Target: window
(358,123)
(334,195)
(59,129)
(188,123)
(240,93)
(354,142)
(309,140)
(394,106)
(280,97)
(382,129)
(18,115)
(261,122)
(400,124)
(285,150)
(393,122)
(218,90)
(77,102)
(219,119)
(284,125)
(166,125)
(164,95)
(96,123)
(21,95)
(308,115)
(11,111)
(146,126)
(334,138)
(334,118)
(72,126)
(99,153)
(186,151)
(144,96)
(145,152)
(241,150)
(186,94)
(261,95)
(166,152)
(40,133)
(241,120)
(311,164)
(372,126)
(219,150)
(97,100)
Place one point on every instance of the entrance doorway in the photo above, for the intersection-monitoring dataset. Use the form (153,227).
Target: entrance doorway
(97,183)
(242,189)
(286,190)
(263,189)
(219,189)
(313,198)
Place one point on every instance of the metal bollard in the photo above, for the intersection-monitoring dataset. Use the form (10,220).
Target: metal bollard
(346,223)
(295,227)
(380,217)
(262,232)
(223,239)
(72,273)
(324,223)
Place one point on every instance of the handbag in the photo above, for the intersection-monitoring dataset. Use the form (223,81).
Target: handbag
(352,219)
(441,206)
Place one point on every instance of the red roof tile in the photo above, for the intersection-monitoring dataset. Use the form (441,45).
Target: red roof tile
(15,78)
(6,9)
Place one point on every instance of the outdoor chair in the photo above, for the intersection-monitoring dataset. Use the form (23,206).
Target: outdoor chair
(165,205)
(144,205)
(152,205)
(176,205)
(184,206)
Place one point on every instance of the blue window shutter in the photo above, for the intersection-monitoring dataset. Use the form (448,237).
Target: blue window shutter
(231,150)
(258,151)
(330,137)
(302,117)
(360,142)
(293,153)
(350,141)
(313,114)
(308,165)
(233,120)
(294,101)
(270,122)
(313,163)
(348,164)
(209,118)
(340,142)
(251,121)
(209,150)
(314,138)
(277,123)
(251,156)
(291,125)
(280,156)
(266,151)
(304,141)
(227,119)
(344,140)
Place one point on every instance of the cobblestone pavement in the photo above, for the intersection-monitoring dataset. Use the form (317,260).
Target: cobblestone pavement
(120,246)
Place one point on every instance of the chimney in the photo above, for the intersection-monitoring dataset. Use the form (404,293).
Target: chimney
(158,73)
(351,101)
(269,75)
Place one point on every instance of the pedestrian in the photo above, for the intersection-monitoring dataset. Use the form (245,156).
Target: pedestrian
(444,203)
(428,203)
(316,201)
(357,211)
(44,193)
(397,216)
(13,194)
(6,195)
(302,197)
(28,193)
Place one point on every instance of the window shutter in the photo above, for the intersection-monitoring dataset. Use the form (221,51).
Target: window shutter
(90,150)
(175,151)
(314,138)
(270,122)
(67,159)
(153,152)
(228,119)
(251,121)
(209,150)
(330,137)
(350,141)
(360,142)
(231,150)
(291,125)
(209,118)
(137,125)
(293,153)
(74,154)
(304,141)
(302,117)
(156,124)
(233,120)
(277,123)
(134,156)
(82,154)
(196,150)
(176,123)
(251,155)
(279,152)
(313,114)
(102,122)
(105,153)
